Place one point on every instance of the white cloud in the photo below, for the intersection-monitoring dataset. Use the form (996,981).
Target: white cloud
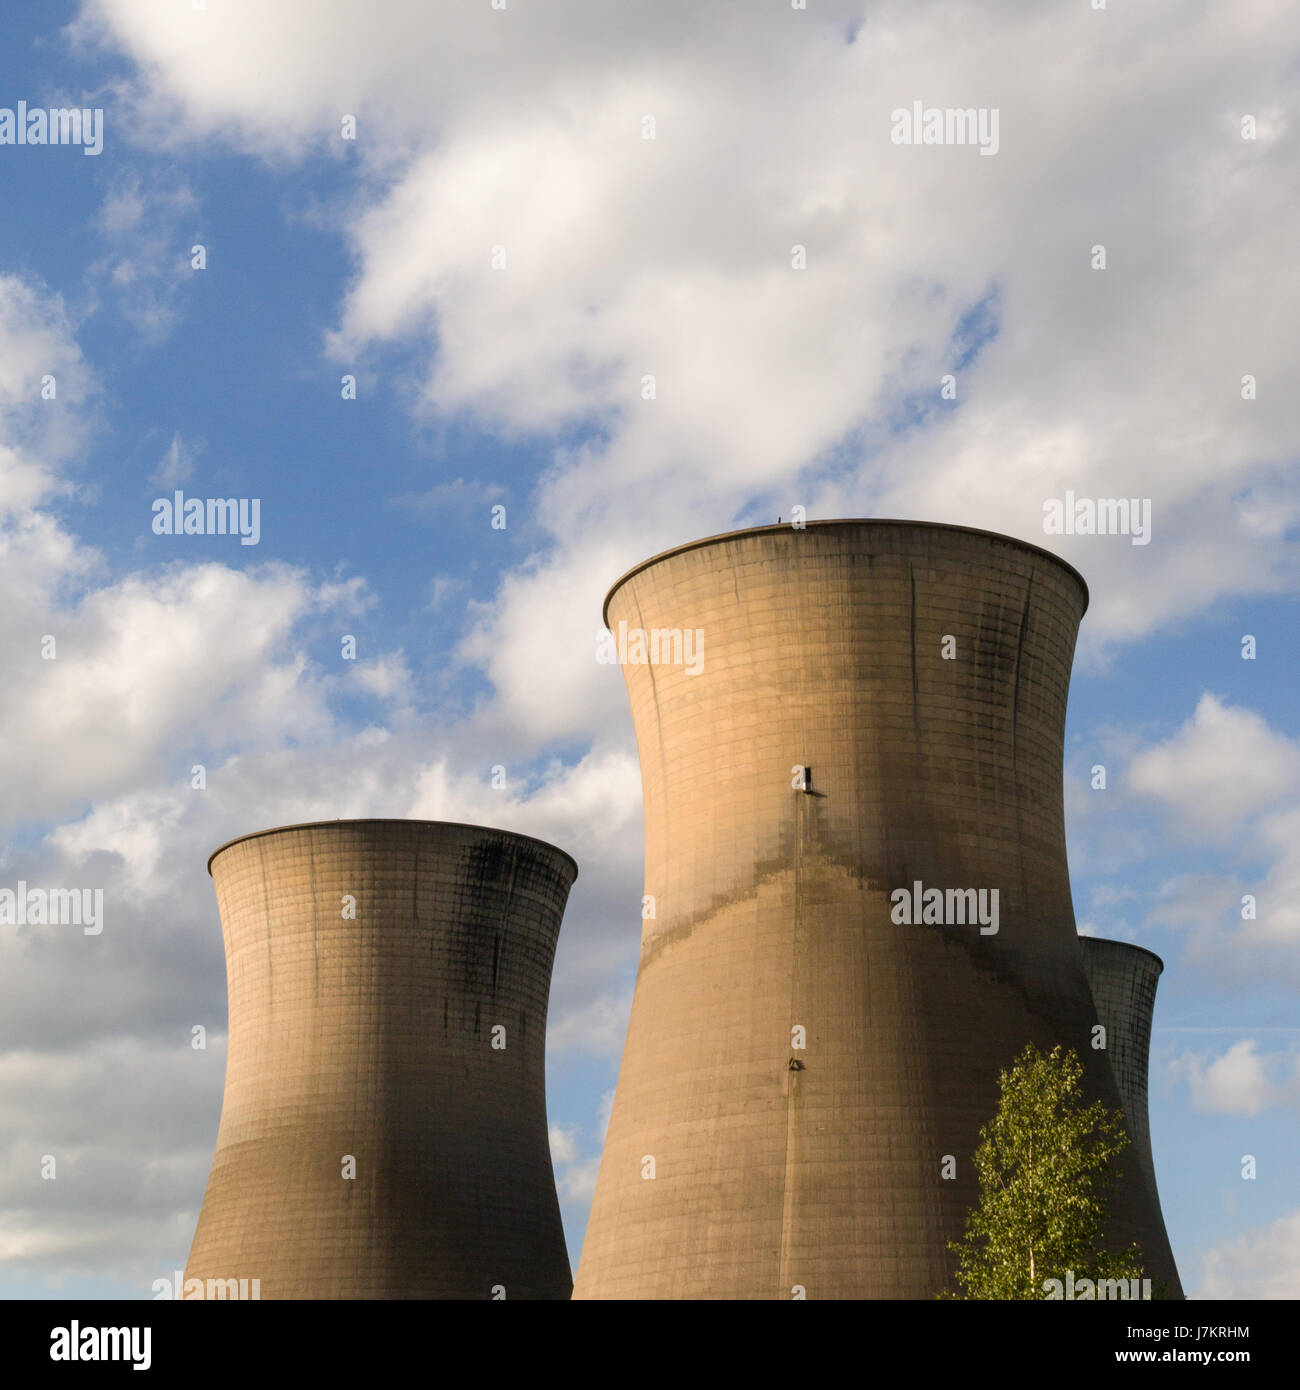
(177,463)
(1278,919)
(1225,764)
(575,1176)
(1263,1263)
(117,686)
(444,587)
(130,1128)
(546,617)
(191,659)
(147,227)
(564,1144)
(1241,1081)
(1230,780)
(457,499)
(577,1184)
(598,1027)
(47,394)
(672,257)
(387,677)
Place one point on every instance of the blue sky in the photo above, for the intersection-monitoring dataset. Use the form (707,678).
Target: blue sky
(773,387)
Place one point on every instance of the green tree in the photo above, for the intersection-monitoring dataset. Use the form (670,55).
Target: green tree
(1045,1166)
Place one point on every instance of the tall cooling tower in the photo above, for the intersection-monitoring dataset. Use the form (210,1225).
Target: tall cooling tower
(1123,979)
(825,716)
(383,1132)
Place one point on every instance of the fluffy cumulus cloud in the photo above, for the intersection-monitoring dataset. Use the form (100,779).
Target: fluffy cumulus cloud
(1224,765)
(1264,1263)
(47,391)
(575,1153)
(575,1174)
(577,1183)
(1229,780)
(1279,922)
(155,659)
(108,679)
(82,1195)
(1242,1081)
(518,219)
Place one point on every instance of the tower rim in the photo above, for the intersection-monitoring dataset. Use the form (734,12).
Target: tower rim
(1130,945)
(354,821)
(842,521)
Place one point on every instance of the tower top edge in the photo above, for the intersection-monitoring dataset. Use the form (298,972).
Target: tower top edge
(846,522)
(352,823)
(1127,946)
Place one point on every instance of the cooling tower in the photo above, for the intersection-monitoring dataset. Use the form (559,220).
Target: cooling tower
(1123,980)
(383,1132)
(832,722)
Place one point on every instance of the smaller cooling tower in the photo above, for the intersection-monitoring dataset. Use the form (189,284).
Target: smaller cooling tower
(383,1132)
(1123,980)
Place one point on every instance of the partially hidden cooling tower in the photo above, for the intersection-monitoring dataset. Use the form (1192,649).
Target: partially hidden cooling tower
(1123,978)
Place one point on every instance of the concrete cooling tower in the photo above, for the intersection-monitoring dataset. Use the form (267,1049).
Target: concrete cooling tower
(1123,980)
(857,906)
(383,1132)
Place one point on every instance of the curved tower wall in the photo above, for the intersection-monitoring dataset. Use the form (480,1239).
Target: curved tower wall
(778,1168)
(1123,978)
(372,1036)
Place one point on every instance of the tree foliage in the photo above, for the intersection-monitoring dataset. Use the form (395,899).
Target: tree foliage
(1046,1165)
